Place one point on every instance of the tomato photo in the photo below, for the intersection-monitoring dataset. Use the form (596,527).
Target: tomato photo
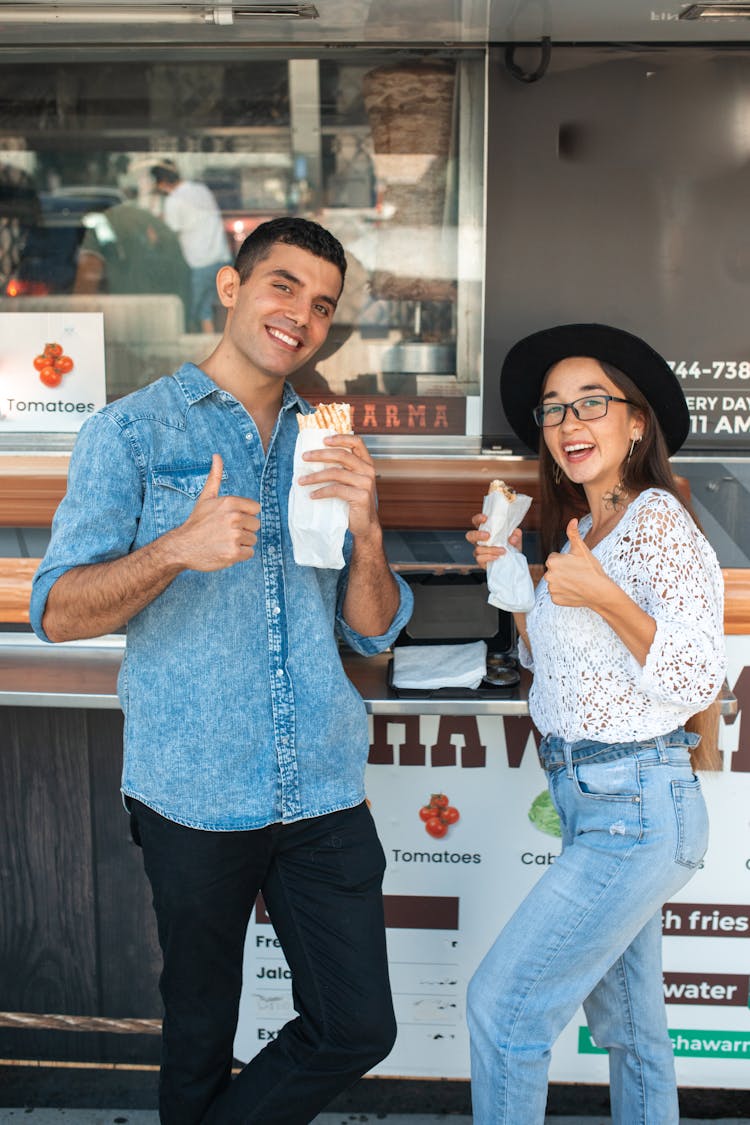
(436,827)
(50,377)
(52,364)
(438,815)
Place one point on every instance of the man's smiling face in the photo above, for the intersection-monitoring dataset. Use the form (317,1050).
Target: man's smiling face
(281,315)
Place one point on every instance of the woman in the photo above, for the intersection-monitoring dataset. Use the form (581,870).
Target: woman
(625,641)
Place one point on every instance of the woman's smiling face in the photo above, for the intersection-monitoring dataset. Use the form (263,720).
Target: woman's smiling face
(589,453)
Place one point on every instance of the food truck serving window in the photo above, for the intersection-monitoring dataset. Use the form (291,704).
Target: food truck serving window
(385,150)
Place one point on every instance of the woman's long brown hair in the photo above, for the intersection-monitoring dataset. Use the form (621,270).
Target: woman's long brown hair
(648,467)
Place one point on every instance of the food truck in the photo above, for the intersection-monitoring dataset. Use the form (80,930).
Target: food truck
(491,167)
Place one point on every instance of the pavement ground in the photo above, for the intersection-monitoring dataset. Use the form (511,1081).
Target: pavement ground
(148,1117)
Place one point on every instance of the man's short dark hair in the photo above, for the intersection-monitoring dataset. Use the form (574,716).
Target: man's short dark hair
(292,231)
(165,173)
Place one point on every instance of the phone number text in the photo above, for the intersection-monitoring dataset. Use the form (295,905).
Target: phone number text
(718,369)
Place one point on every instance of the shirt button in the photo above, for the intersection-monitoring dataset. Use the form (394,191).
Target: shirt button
(279,671)
(276,610)
(248,437)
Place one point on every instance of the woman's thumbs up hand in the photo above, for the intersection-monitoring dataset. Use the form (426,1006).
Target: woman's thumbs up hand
(577,577)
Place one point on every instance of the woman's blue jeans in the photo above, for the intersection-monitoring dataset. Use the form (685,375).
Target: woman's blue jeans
(634,828)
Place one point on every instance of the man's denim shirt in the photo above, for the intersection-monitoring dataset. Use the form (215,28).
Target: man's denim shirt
(238,712)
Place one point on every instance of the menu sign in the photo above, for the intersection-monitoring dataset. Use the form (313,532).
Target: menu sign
(51,370)
(454,878)
(718,398)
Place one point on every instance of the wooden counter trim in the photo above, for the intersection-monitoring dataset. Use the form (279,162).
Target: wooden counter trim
(15,588)
(418,493)
(429,492)
(16,576)
(736,602)
(31,487)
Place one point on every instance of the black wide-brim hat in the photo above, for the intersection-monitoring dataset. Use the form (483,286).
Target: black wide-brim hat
(528,361)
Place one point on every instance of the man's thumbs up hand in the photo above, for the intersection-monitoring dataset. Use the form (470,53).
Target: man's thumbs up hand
(577,577)
(213,480)
(220,531)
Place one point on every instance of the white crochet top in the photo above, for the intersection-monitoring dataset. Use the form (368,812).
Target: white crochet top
(586,682)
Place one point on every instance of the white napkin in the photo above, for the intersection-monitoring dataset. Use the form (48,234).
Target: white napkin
(317,527)
(435,666)
(508,578)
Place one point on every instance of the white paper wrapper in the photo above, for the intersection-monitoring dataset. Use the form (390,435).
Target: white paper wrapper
(508,578)
(436,666)
(317,527)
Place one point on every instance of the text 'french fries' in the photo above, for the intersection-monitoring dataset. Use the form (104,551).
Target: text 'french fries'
(336,416)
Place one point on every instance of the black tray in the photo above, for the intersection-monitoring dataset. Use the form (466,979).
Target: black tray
(453,609)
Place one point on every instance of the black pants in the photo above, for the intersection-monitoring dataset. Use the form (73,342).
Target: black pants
(321,881)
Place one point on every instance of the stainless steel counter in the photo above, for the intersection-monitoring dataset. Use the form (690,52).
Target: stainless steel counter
(84,674)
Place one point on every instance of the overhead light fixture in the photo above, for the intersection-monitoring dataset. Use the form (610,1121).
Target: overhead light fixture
(276,11)
(717,11)
(56,14)
(221,13)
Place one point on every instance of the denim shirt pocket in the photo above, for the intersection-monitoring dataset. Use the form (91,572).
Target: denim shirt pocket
(175,489)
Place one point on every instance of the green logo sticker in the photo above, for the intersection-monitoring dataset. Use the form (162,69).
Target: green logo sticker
(688,1043)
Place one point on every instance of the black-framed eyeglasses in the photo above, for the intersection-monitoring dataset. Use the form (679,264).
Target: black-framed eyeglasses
(586,409)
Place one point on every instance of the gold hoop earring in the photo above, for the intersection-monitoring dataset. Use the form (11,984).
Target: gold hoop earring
(556,473)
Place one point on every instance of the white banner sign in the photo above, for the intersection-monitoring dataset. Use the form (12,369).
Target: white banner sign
(448,894)
(51,370)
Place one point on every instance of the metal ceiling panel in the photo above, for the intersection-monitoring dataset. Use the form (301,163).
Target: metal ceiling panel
(367,22)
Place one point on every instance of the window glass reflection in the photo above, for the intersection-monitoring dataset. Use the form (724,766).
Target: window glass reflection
(374,149)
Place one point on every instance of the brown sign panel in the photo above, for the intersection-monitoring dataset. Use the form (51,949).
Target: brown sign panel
(402,912)
(706,988)
(705,919)
(421,912)
(403,415)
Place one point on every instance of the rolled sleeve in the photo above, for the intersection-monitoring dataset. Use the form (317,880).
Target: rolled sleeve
(98,517)
(370,646)
(42,583)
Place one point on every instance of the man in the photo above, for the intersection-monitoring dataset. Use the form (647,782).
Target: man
(126,249)
(190,210)
(245,742)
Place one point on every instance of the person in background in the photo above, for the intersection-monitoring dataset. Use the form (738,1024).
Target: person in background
(245,742)
(626,645)
(191,211)
(20,215)
(126,249)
